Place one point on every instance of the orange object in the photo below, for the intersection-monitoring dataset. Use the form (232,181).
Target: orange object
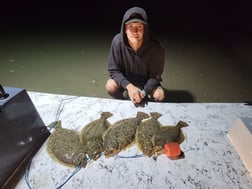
(172,150)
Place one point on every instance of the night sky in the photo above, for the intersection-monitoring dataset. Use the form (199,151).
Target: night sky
(163,16)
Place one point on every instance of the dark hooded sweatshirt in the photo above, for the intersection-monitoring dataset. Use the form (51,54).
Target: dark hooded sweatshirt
(143,67)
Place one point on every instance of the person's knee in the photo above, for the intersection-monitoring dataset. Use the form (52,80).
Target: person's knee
(111,86)
(113,89)
(159,94)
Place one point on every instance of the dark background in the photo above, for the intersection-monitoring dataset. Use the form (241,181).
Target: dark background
(208,46)
(164,16)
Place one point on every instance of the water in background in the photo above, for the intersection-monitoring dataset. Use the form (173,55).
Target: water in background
(198,68)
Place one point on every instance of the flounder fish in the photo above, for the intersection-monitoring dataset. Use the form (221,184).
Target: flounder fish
(121,134)
(64,146)
(91,135)
(144,133)
(168,134)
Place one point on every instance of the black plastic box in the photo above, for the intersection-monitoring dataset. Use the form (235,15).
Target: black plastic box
(22,132)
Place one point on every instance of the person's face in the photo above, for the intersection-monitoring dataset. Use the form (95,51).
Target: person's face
(134,31)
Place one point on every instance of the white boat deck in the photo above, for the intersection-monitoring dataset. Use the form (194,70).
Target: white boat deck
(210,159)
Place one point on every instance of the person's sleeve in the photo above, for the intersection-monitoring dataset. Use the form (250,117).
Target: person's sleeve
(114,65)
(155,70)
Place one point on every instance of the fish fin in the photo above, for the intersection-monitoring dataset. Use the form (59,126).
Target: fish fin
(106,115)
(142,115)
(55,124)
(182,124)
(181,134)
(155,115)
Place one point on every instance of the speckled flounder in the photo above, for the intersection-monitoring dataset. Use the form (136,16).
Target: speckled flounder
(91,135)
(168,134)
(121,134)
(64,146)
(144,133)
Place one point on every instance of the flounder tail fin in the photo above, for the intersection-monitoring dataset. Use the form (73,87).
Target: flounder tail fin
(155,115)
(181,124)
(142,115)
(55,125)
(106,115)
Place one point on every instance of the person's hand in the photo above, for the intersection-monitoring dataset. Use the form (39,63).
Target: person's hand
(135,94)
(143,100)
(137,97)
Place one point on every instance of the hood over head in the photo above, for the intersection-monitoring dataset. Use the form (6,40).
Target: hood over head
(135,14)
